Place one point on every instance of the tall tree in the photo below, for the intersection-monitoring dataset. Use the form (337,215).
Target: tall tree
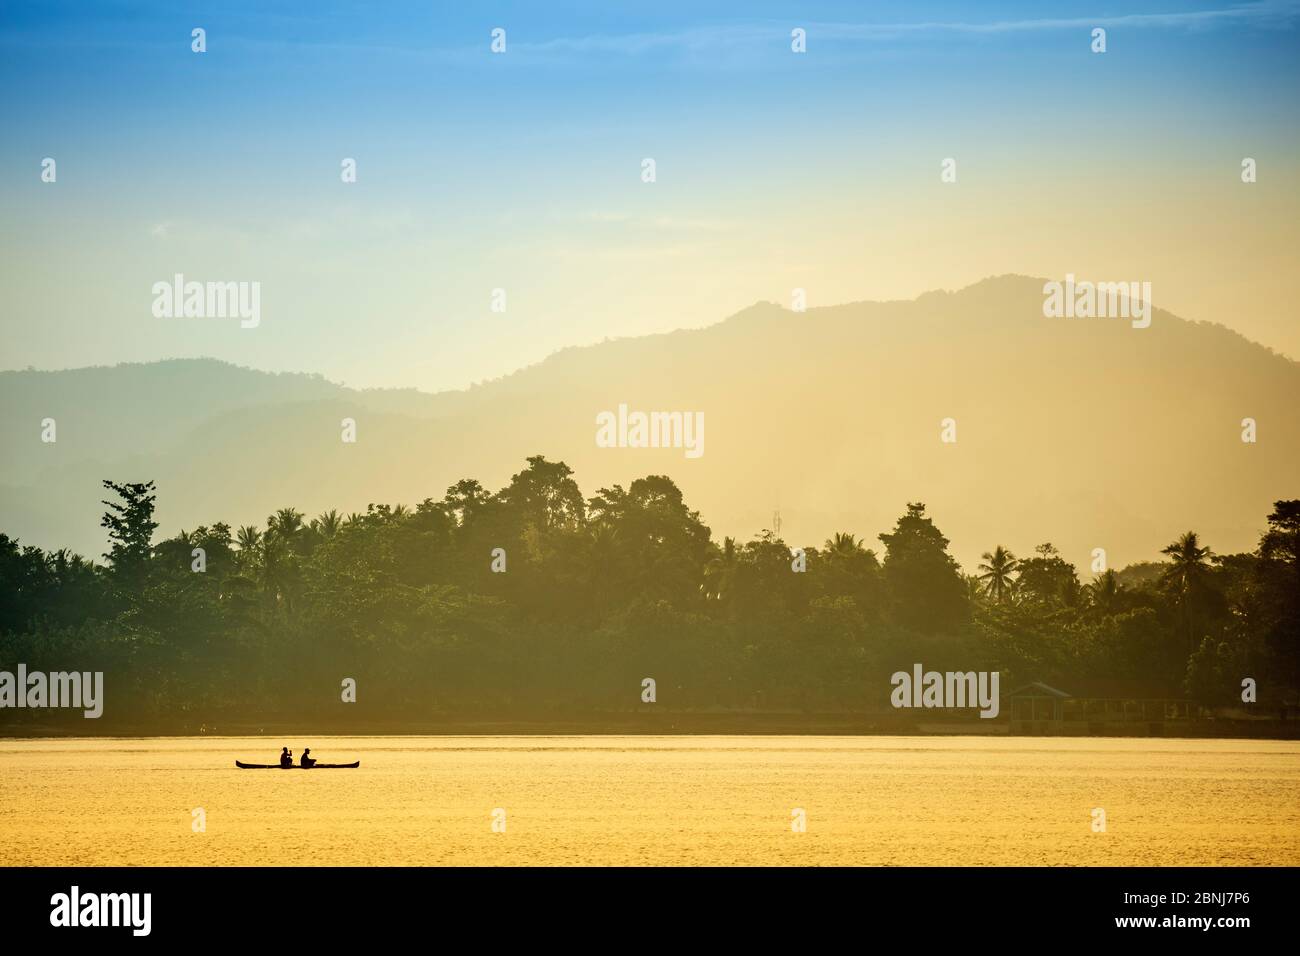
(1047,578)
(927,588)
(130,527)
(720,570)
(545,495)
(1186,579)
(1279,592)
(996,571)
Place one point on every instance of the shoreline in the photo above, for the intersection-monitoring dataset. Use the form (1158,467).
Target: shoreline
(683,724)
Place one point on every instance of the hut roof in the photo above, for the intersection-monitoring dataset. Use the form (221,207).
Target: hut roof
(1108,688)
(1037,689)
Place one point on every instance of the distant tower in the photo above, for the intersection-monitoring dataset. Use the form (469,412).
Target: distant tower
(776,521)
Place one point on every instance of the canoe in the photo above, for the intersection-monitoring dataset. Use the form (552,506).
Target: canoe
(275,766)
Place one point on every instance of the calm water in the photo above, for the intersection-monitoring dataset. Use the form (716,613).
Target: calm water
(653,800)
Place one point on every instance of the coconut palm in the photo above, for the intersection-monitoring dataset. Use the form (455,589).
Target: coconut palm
(278,570)
(1188,563)
(285,523)
(996,571)
(328,524)
(1187,577)
(844,545)
(248,538)
(721,570)
(1106,593)
(1072,592)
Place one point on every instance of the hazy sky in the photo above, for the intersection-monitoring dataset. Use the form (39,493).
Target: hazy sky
(522,170)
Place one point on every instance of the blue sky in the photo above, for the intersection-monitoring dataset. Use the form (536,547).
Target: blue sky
(521,171)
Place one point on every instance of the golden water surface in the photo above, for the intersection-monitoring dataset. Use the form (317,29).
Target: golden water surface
(652,800)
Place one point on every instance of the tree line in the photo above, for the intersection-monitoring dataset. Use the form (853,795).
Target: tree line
(599,593)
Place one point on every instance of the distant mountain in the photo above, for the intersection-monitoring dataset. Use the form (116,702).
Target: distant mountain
(1085,432)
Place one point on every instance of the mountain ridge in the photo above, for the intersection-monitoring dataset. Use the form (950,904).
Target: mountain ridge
(831,415)
(759,305)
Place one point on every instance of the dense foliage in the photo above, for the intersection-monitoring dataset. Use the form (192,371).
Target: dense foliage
(599,593)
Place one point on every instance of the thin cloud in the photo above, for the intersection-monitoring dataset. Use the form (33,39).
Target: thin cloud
(1268,12)
(1275,13)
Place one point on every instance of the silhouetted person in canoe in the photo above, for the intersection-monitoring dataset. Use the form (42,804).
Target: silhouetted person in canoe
(286,757)
(307,761)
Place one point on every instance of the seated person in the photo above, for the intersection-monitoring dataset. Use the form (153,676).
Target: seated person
(307,761)
(286,757)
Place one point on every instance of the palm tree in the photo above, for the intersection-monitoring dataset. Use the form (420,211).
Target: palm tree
(286,523)
(248,538)
(844,545)
(721,570)
(996,573)
(1071,592)
(1189,562)
(1106,593)
(1187,577)
(328,524)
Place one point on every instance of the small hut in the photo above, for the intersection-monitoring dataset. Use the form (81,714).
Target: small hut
(1099,708)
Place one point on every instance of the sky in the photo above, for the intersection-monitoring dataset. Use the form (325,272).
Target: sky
(522,170)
